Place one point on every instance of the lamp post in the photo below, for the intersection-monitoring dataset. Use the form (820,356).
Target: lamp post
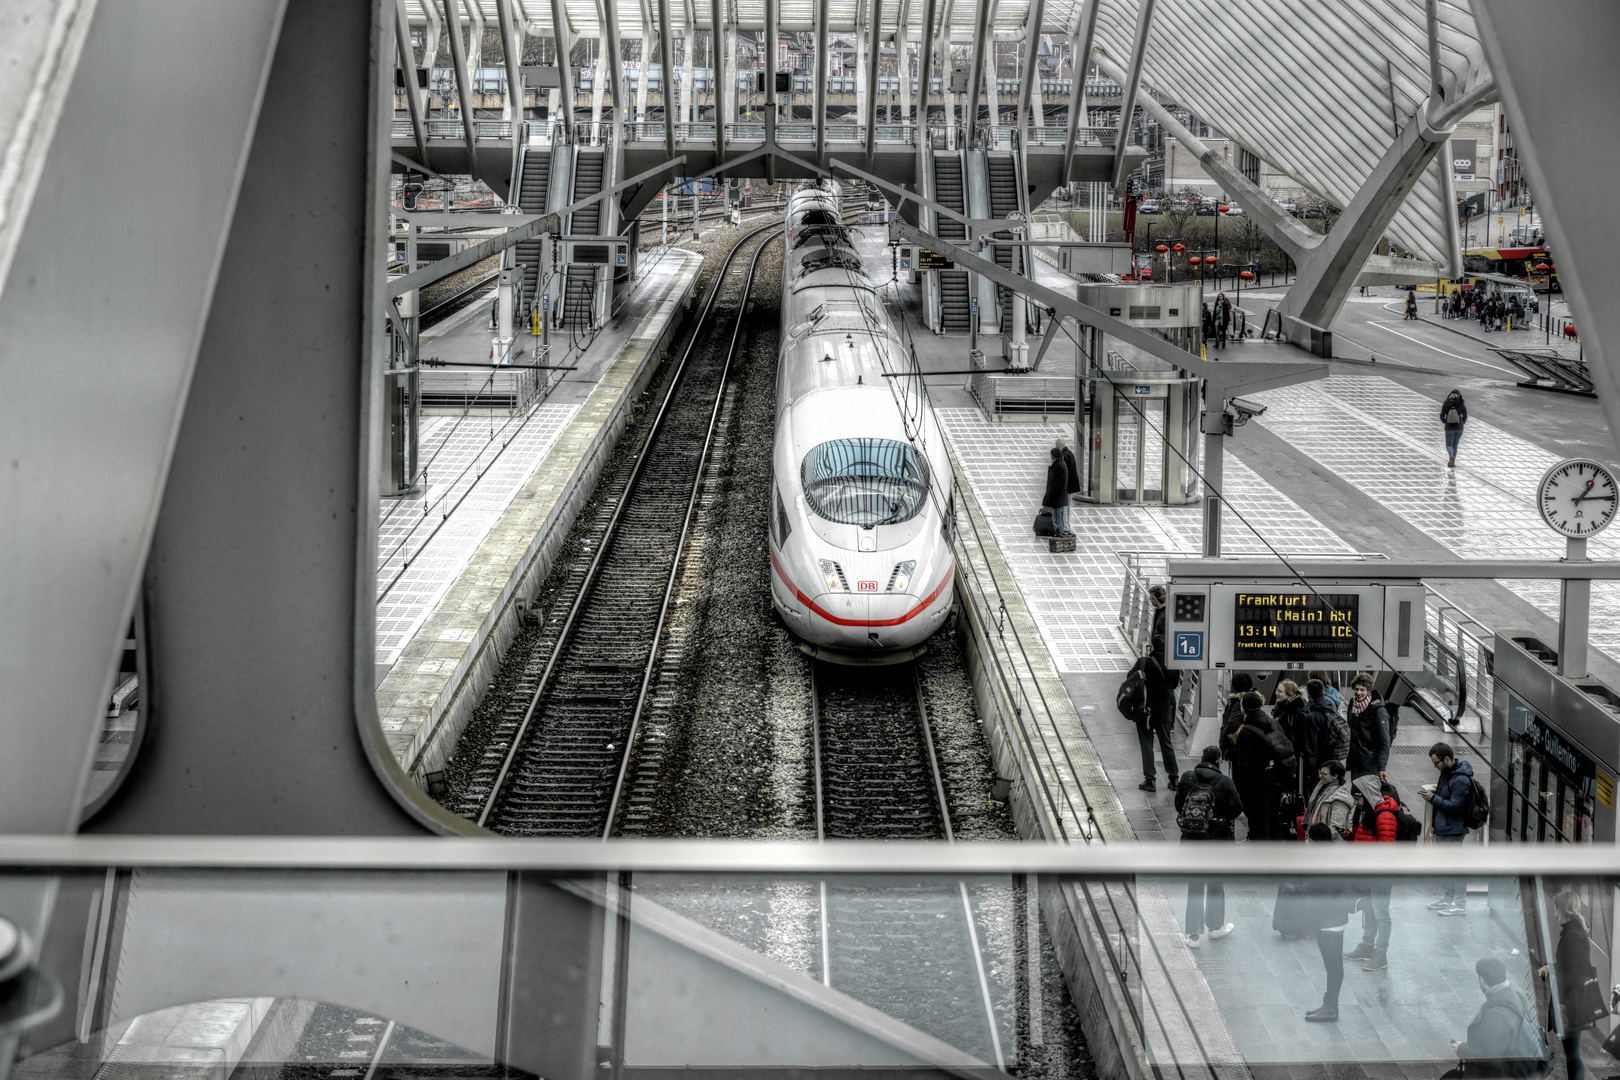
(1243,275)
(1546,314)
(1220,211)
(1169,266)
(1165,252)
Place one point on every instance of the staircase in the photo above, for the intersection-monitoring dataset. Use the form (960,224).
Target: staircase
(1003,201)
(580,291)
(533,187)
(953,284)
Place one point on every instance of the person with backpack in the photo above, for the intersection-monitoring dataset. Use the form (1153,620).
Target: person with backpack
(1453,414)
(1374,822)
(1157,713)
(1455,803)
(1207,804)
(1330,690)
(1504,1039)
(1332,730)
(1369,730)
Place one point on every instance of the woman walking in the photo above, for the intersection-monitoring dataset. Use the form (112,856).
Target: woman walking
(1580,1004)
(1453,414)
(1411,305)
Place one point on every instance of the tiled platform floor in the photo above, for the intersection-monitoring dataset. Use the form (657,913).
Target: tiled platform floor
(479,462)
(1076,596)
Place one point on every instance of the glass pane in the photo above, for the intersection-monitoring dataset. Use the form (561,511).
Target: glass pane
(1153,450)
(1127,445)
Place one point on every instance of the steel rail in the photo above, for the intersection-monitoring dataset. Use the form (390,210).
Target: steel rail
(686,528)
(458,298)
(498,787)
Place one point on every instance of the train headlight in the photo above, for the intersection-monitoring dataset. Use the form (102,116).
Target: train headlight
(901,578)
(833,578)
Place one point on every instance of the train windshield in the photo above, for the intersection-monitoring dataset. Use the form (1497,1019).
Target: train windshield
(865,482)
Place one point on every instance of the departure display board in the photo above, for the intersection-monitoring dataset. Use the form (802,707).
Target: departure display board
(932,260)
(1295,627)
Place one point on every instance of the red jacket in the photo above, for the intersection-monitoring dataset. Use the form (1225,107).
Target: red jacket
(1382,821)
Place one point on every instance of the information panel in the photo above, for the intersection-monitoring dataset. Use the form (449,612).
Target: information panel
(1281,627)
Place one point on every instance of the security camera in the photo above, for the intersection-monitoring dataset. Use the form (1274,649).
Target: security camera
(1243,410)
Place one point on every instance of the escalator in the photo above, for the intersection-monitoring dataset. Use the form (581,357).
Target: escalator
(1004,199)
(534,185)
(580,291)
(953,284)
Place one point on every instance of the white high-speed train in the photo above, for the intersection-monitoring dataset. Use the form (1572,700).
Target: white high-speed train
(862,512)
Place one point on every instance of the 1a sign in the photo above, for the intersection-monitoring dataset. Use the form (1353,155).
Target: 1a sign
(1189,644)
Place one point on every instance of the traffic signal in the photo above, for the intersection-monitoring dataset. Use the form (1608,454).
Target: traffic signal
(413,188)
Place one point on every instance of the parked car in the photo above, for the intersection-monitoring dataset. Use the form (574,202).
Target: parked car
(1148,206)
(1234,210)
(1288,205)
(1208,207)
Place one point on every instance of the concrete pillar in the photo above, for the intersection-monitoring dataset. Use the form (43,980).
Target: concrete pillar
(599,79)
(728,96)
(643,69)
(991,99)
(688,113)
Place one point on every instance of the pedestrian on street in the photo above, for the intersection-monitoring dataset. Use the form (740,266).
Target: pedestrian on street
(1369,730)
(1411,305)
(1453,414)
(1375,823)
(1056,496)
(1573,961)
(1504,1039)
(1073,467)
(1223,319)
(1207,804)
(1161,702)
(1209,324)
(1450,799)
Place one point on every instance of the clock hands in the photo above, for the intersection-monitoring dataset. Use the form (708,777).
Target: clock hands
(1584,490)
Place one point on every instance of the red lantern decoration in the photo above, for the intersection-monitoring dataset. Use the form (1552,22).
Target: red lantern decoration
(1224,209)
(1180,248)
(1246,275)
(1161,249)
(1542,268)
(1195,260)
(1146,274)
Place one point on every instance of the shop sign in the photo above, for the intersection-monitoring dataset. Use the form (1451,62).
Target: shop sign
(1564,756)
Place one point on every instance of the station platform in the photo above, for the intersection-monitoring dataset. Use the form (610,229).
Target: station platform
(1351,464)
(500,490)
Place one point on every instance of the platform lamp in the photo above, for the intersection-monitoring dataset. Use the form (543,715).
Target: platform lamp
(1546,314)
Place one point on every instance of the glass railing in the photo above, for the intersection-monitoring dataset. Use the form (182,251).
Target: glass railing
(369,958)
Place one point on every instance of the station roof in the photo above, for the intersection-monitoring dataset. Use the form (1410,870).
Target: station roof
(1318,91)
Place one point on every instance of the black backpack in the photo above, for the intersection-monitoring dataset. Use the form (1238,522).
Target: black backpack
(1477,811)
(1407,825)
(1197,817)
(1132,698)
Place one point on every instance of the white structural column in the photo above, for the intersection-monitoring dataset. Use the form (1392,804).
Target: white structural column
(1029,83)
(1546,57)
(598,84)
(413,93)
(1133,80)
(992,95)
(688,48)
(565,67)
(1081,36)
(731,64)
(873,54)
(452,12)
(644,65)
(512,52)
(947,95)
(475,35)
(610,34)
(666,82)
(985,11)
(925,74)
(819,83)
(717,59)
(430,40)
(902,62)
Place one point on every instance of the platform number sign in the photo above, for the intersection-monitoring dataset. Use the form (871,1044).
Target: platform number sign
(1189,644)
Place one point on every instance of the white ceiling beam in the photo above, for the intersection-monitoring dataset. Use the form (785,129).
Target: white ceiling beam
(1080,38)
(1144,24)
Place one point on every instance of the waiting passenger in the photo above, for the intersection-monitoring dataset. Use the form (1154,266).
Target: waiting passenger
(1073,467)
(1223,320)
(1161,704)
(1375,822)
(1331,803)
(1328,910)
(1330,689)
(1580,997)
(1290,715)
(1056,496)
(1207,804)
(1261,758)
(1331,729)
(1451,798)
(1504,1039)
(1369,730)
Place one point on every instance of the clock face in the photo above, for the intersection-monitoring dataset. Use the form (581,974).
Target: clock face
(1578,497)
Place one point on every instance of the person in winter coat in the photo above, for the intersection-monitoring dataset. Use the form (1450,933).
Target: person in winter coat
(1223,319)
(1374,823)
(1369,730)
(1330,690)
(1293,719)
(1332,730)
(1207,804)
(1327,908)
(1330,802)
(1161,703)
(1056,496)
(1411,305)
(1072,465)
(1157,598)
(1495,1046)
(1209,324)
(1450,799)
(1573,962)
(1256,758)
(1453,415)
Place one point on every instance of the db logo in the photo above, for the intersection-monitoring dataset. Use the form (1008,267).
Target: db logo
(866,586)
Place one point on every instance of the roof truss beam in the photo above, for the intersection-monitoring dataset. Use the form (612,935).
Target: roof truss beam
(1133,80)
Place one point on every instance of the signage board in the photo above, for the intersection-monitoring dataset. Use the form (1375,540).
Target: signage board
(1463,158)
(933,260)
(1287,625)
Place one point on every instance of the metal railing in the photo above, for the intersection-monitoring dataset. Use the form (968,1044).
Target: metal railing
(440,128)
(1026,396)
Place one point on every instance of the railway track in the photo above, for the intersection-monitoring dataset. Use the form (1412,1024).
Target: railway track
(557,762)
(458,300)
(877,776)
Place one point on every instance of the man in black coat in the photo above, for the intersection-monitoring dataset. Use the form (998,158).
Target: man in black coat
(1056,496)
(1072,465)
(1161,703)
(1207,803)
(1255,754)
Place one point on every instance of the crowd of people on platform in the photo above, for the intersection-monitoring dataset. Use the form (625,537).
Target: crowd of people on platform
(1492,310)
